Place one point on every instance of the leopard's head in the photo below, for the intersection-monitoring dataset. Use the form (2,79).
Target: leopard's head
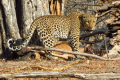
(88,21)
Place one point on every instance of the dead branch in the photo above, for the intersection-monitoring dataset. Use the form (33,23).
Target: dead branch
(91,42)
(109,21)
(106,46)
(108,6)
(115,28)
(97,31)
(105,7)
(69,52)
(104,13)
(115,23)
(61,74)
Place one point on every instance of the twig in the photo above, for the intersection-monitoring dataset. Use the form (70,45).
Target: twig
(106,47)
(102,43)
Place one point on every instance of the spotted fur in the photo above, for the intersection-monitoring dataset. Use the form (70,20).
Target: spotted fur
(53,27)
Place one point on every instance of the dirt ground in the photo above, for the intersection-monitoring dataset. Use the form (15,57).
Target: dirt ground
(90,65)
(87,66)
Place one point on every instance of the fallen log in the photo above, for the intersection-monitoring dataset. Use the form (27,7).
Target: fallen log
(61,75)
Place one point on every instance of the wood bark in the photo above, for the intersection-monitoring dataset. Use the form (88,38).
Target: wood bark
(2,33)
(63,4)
(1,25)
(56,7)
(30,11)
(1,44)
(61,74)
(10,19)
(26,20)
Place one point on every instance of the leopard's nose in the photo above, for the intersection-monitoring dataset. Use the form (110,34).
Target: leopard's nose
(90,29)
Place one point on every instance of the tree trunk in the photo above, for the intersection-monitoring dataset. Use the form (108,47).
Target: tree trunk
(0,44)
(18,15)
(10,19)
(2,31)
(30,11)
(26,20)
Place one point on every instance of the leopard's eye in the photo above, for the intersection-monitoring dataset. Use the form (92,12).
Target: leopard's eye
(93,21)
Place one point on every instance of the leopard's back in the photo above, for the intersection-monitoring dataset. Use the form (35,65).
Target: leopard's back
(56,25)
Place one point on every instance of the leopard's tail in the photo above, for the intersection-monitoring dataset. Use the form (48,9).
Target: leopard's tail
(11,43)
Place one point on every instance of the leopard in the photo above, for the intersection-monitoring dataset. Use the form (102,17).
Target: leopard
(52,28)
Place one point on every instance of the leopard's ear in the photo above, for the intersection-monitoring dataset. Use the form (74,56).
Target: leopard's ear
(96,15)
(81,15)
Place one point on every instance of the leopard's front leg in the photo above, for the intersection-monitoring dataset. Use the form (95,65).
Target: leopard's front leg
(75,46)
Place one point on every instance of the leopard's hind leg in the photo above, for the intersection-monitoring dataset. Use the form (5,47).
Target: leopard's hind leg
(47,39)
